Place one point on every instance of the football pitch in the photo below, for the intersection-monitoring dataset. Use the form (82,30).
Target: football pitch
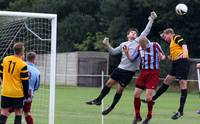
(71,107)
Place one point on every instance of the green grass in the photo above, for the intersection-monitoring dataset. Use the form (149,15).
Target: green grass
(71,108)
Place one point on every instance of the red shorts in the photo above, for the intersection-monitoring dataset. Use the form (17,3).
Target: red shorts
(27,106)
(148,79)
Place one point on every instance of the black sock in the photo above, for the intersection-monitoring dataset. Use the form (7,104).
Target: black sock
(3,119)
(18,119)
(183,98)
(160,91)
(116,99)
(103,93)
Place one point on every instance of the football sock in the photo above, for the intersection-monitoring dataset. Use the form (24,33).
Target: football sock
(3,119)
(163,88)
(18,119)
(150,108)
(103,93)
(183,98)
(116,99)
(29,119)
(137,105)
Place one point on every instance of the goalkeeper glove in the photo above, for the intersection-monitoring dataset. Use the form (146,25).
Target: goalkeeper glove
(106,41)
(153,15)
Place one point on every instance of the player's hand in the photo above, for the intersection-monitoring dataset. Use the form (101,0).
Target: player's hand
(161,56)
(125,49)
(106,41)
(153,15)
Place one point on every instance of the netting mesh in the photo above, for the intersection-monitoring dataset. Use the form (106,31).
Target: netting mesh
(35,33)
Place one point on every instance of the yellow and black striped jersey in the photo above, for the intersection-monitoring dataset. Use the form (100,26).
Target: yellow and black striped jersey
(176,47)
(14,72)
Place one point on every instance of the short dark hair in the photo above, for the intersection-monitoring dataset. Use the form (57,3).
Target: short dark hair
(132,29)
(31,56)
(18,48)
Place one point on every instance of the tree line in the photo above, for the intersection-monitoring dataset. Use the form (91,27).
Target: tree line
(82,24)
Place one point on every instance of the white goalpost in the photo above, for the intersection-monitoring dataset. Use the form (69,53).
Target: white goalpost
(198,78)
(38,31)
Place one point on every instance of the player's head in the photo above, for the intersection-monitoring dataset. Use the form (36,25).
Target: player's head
(31,57)
(143,42)
(19,49)
(167,34)
(132,33)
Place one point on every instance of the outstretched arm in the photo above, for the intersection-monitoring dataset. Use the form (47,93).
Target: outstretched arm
(147,29)
(111,50)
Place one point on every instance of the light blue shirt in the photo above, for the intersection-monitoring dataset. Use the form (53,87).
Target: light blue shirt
(34,78)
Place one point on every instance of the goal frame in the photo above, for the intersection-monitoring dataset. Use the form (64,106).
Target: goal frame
(53,18)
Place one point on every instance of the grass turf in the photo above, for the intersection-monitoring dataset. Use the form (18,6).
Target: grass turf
(71,107)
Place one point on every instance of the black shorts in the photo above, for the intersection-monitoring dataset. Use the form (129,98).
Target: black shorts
(122,76)
(180,69)
(7,102)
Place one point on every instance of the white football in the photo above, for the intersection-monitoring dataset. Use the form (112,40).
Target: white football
(181,9)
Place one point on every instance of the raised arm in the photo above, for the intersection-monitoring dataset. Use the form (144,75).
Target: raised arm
(111,50)
(147,29)
(149,24)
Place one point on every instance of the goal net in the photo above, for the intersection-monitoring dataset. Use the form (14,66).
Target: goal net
(38,33)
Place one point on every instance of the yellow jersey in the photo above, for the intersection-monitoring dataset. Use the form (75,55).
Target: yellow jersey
(176,47)
(14,71)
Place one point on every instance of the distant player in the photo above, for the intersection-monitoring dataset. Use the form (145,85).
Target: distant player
(198,67)
(124,72)
(180,68)
(14,75)
(34,83)
(150,54)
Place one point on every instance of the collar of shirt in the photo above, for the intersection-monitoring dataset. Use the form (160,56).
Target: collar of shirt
(30,63)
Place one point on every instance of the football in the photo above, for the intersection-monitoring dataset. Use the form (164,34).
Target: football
(181,9)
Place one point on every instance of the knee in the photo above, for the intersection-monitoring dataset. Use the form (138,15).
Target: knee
(120,90)
(183,84)
(110,83)
(166,81)
(136,94)
(148,97)
(26,114)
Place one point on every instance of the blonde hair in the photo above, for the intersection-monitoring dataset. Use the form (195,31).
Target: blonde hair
(143,40)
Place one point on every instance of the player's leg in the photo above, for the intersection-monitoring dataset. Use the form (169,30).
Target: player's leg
(151,85)
(124,77)
(183,97)
(163,88)
(182,73)
(150,103)
(18,116)
(5,109)
(103,93)
(18,105)
(4,115)
(116,99)
(137,105)
(27,114)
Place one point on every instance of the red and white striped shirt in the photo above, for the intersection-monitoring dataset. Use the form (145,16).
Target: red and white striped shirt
(149,58)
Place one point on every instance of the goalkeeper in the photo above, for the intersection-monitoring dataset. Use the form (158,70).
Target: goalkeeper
(125,70)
